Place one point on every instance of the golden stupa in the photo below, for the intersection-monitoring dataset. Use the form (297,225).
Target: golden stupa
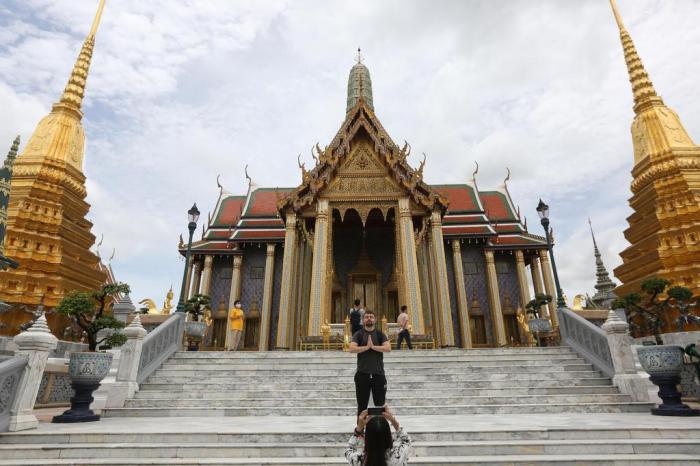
(47,232)
(664,230)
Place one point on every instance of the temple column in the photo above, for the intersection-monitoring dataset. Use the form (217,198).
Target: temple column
(410,267)
(235,292)
(289,273)
(495,300)
(461,292)
(522,279)
(206,275)
(196,282)
(444,308)
(190,269)
(549,287)
(265,315)
(318,268)
(537,280)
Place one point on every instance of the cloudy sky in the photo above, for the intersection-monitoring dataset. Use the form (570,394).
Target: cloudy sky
(183,90)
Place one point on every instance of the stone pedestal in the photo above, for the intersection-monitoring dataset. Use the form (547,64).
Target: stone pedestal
(626,377)
(36,343)
(125,385)
(122,309)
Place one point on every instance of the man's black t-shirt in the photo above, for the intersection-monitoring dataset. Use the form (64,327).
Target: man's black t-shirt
(370,362)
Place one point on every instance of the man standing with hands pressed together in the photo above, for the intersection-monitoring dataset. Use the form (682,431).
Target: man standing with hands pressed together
(369,343)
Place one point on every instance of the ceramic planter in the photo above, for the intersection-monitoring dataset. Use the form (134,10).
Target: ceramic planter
(86,370)
(661,360)
(195,329)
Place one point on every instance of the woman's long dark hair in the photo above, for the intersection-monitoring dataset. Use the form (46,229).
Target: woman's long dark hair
(377,441)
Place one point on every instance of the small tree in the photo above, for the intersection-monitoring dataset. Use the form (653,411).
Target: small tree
(535,305)
(87,310)
(645,316)
(197,306)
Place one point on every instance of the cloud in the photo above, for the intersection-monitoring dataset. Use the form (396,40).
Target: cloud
(181,91)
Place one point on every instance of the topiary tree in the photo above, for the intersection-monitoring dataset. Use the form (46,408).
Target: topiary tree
(197,306)
(87,310)
(535,305)
(645,316)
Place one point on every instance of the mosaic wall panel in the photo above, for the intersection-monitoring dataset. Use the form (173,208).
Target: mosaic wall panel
(220,281)
(507,280)
(59,389)
(453,294)
(276,288)
(252,284)
(474,265)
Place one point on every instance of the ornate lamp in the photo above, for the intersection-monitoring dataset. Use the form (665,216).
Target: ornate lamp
(192,217)
(543,212)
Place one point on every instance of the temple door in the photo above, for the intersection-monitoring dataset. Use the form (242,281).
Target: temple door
(365,289)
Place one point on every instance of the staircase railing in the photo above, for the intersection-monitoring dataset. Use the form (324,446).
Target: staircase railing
(10,375)
(588,340)
(160,344)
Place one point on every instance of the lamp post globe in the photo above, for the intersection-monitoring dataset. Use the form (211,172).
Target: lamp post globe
(543,211)
(192,217)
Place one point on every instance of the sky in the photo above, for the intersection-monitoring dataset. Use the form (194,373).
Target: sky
(181,91)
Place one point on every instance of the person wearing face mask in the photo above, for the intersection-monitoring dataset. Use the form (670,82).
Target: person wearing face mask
(236,317)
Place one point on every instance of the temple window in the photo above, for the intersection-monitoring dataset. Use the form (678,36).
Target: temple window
(502,267)
(258,273)
(470,268)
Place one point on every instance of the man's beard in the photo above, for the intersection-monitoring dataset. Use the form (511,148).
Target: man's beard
(369,327)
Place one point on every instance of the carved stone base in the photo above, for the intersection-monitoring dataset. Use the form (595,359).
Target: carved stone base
(80,405)
(671,397)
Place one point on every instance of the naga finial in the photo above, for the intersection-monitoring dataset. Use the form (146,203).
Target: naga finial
(505,181)
(114,250)
(218,184)
(476,170)
(314,155)
(247,176)
(422,164)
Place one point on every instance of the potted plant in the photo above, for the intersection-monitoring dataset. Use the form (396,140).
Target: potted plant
(536,324)
(86,369)
(664,363)
(199,309)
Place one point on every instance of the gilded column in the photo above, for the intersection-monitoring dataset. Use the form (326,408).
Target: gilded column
(267,298)
(432,291)
(318,268)
(495,299)
(537,280)
(197,278)
(206,275)
(549,286)
(443,291)
(235,292)
(289,267)
(461,293)
(190,269)
(522,278)
(410,267)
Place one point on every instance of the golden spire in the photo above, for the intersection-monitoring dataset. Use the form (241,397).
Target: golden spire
(75,89)
(642,89)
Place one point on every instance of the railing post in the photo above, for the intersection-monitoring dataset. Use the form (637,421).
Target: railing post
(35,343)
(626,377)
(126,385)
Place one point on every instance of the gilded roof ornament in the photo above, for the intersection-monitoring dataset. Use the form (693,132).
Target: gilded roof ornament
(359,85)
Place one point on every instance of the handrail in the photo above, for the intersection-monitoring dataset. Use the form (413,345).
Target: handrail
(589,341)
(10,375)
(160,344)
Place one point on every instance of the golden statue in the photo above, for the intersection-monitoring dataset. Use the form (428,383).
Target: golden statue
(524,327)
(168,304)
(150,305)
(326,334)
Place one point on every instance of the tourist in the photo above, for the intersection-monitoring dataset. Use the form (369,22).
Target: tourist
(356,314)
(404,333)
(236,316)
(372,444)
(369,343)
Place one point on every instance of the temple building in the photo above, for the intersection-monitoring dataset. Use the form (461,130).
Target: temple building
(364,224)
(664,229)
(46,231)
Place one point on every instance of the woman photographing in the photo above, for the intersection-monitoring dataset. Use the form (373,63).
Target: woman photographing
(373,445)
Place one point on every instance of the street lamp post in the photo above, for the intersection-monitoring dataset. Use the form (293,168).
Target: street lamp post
(543,212)
(192,216)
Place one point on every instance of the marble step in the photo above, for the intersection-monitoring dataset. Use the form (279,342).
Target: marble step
(335,450)
(334,410)
(158,434)
(350,391)
(395,402)
(498,460)
(310,384)
(351,363)
(455,352)
(400,378)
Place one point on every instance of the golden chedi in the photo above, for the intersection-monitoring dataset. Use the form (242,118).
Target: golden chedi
(47,232)
(664,229)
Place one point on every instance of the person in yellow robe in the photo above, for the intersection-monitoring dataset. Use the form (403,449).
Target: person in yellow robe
(236,318)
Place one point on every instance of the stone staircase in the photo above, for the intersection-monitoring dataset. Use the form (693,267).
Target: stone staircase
(510,406)
(478,381)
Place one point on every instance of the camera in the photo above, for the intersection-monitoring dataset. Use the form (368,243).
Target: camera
(376,411)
